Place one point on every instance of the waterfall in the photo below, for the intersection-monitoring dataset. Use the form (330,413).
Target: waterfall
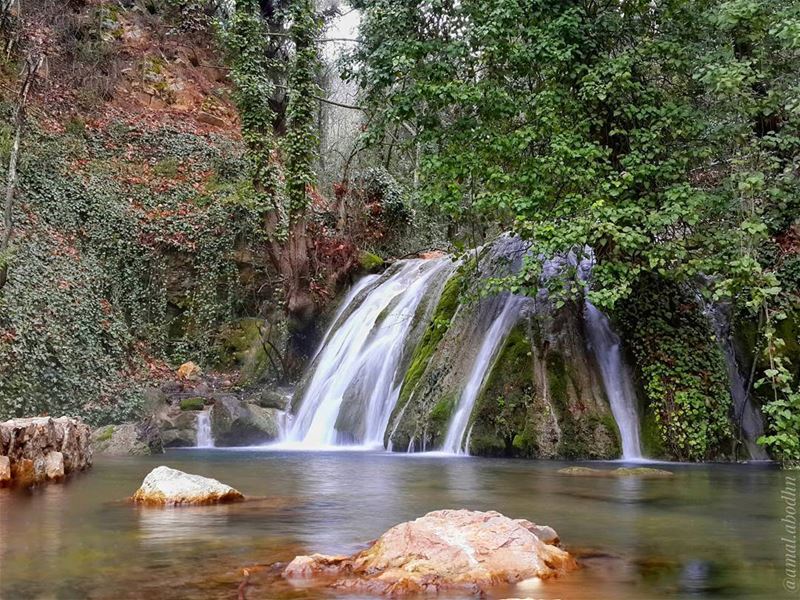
(204,437)
(616,380)
(355,384)
(454,442)
(747,416)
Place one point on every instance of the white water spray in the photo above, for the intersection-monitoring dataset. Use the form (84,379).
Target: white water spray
(747,416)
(360,360)
(616,380)
(454,442)
(205,439)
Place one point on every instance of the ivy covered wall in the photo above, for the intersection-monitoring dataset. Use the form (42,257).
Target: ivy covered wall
(687,399)
(125,256)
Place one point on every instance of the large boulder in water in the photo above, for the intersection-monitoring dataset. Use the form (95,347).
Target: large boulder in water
(169,487)
(238,423)
(446,549)
(42,449)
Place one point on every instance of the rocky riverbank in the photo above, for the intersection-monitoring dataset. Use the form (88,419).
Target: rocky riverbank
(41,449)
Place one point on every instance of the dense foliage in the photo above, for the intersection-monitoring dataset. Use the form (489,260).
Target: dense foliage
(119,258)
(661,135)
(682,368)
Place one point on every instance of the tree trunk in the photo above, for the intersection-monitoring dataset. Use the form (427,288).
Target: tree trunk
(32,65)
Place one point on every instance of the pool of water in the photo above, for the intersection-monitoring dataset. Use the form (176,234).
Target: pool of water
(712,531)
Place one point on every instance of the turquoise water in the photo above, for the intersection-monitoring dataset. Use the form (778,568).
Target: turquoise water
(712,531)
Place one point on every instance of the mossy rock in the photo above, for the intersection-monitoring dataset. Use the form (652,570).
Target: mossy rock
(241,346)
(645,472)
(500,423)
(127,439)
(238,423)
(652,445)
(370,262)
(192,404)
(640,472)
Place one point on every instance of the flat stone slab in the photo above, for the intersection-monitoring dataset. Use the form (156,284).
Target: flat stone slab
(445,549)
(169,487)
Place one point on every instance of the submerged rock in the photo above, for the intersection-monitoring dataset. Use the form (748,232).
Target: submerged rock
(40,449)
(643,472)
(446,549)
(169,487)
(128,438)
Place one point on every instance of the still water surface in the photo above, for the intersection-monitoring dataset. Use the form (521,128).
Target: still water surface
(712,532)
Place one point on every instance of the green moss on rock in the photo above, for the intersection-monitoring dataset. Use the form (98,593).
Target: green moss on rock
(445,309)
(370,262)
(500,423)
(192,404)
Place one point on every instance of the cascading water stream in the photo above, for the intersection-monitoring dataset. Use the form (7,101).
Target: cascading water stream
(205,439)
(747,416)
(360,359)
(616,380)
(454,442)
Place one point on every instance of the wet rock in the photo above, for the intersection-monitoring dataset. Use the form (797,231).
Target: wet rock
(237,423)
(542,397)
(643,472)
(54,465)
(178,428)
(5,471)
(128,438)
(272,398)
(40,449)
(169,487)
(446,549)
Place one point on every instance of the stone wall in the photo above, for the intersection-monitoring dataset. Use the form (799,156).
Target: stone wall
(40,449)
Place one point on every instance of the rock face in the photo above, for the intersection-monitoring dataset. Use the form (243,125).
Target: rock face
(169,487)
(446,549)
(543,396)
(238,423)
(128,438)
(40,449)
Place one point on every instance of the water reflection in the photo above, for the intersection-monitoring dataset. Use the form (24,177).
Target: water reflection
(710,531)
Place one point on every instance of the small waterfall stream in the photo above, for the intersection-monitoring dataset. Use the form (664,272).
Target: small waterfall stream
(616,380)
(747,416)
(360,359)
(454,442)
(205,439)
